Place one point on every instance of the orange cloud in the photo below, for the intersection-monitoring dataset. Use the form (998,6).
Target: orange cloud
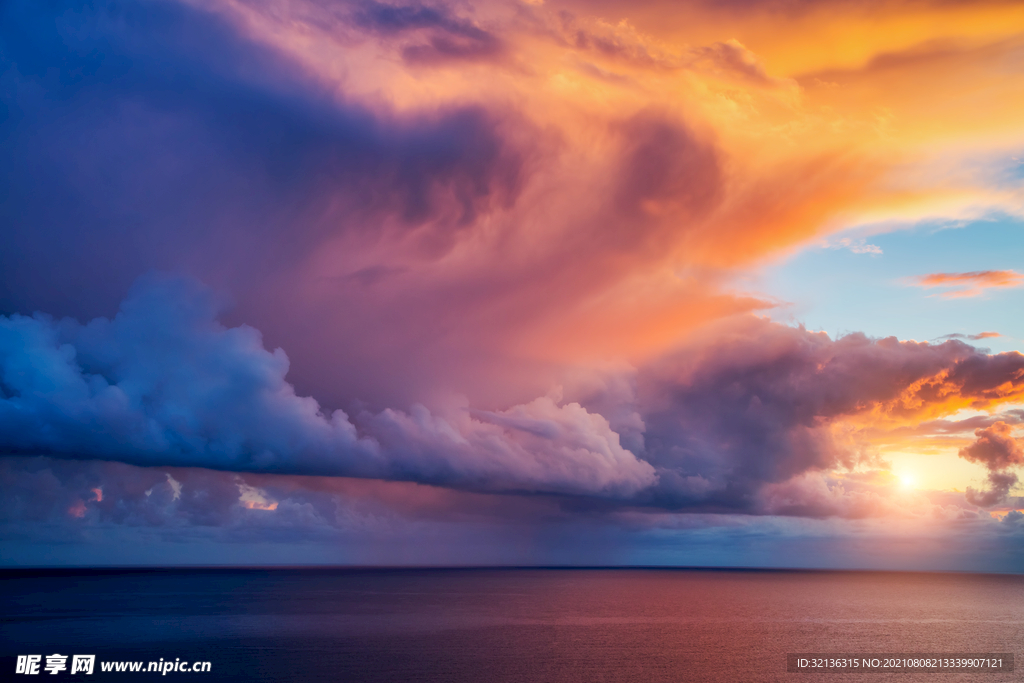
(669,137)
(971,284)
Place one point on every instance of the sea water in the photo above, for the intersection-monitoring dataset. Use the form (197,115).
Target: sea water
(496,625)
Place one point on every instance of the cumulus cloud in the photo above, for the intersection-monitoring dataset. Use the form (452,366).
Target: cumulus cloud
(165,383)
(996,448)
(755,402)
(566,447)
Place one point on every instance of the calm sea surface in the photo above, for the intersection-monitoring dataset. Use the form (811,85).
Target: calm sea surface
(464,626)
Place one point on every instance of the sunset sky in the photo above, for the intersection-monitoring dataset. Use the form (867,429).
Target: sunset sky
(512,282)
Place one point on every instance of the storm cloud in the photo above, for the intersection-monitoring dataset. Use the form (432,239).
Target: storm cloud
(757,402)
(141,135)
(164,383)
(428,260)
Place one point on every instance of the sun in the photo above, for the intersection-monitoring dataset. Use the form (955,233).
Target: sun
(907,480)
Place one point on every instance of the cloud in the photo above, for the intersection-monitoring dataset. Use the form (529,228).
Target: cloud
(733,58)
(969,424)
(751,404)
(995,447)
(1000,484)
(421,200)
(146,104)
(972,337)
(164,383)
(446,37)
(853,495)
(567,448)
(666,169)
(405,231)
(856,246)
(755,403)
(159,516)
(617,43)
(970,284)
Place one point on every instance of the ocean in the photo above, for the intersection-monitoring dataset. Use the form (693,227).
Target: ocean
(496,625)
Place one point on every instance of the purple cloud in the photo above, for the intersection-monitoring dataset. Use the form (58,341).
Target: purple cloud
(164,383)
(996,448)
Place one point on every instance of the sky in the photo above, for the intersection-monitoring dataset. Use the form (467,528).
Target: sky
(517,282)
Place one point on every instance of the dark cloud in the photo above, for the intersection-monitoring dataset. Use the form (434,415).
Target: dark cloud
(445,36)
(142,135)
(164,383)
(45,490)
(81,495)
(160,516)
(379,248)
(84,508)
(666,169)
(156,135)
(757,403)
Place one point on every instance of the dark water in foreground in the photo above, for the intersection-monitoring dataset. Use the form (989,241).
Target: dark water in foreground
(464,626)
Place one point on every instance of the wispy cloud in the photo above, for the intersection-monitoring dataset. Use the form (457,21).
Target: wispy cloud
(972,337)
(856,246)
(974,283)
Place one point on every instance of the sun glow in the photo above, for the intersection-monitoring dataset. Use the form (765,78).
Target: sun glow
(907,480)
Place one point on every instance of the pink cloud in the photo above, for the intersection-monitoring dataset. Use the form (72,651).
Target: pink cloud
(998,450)
(971,284)
(995,447)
